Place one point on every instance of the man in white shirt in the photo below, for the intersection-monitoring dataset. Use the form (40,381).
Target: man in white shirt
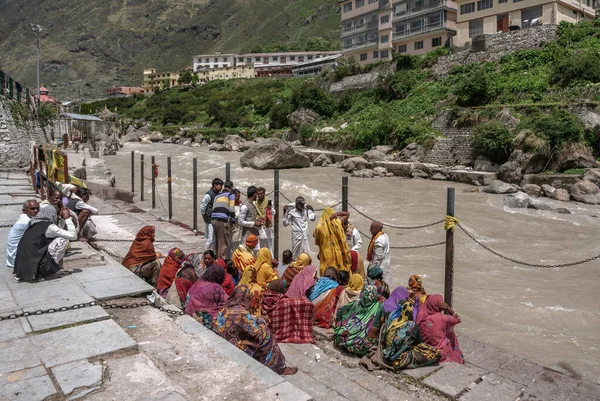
(248,219)
(30,209)
(78,204)
(206,206)
(379,251)
(353,236)
(298,216)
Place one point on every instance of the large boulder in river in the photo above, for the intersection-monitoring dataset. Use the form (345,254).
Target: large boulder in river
(499,187)
(519,164)
(593,175)
(302,116)
(273,153)
(375,155)
(484,164)
(322,161)
(532,190)
(413,152)
(354,163)
(233,142)
(519,200)
(131,135)
(586,192)
(572,157)
(561,194)
(155,136)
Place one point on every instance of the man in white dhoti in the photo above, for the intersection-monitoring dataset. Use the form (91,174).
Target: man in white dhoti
(298,216)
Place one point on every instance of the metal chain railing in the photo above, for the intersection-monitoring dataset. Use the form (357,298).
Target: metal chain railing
(16,185)
(12,204)
(409,246)
(396,226)
(18,194)
(175,241)
(519,262)
(5,225)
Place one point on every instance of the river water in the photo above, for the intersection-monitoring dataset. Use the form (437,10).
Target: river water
(547,315)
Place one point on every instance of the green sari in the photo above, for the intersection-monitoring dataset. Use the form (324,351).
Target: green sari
(354,322)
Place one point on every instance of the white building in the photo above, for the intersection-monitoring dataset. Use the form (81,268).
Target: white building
(315,67)
(281,59)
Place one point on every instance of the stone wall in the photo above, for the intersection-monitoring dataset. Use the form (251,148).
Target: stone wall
(15,137)
(493,47)
(361,81)
(452,149)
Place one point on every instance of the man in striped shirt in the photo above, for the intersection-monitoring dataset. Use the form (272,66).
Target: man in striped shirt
(223,217)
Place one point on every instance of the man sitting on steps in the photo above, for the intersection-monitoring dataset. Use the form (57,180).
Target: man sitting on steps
(79,205)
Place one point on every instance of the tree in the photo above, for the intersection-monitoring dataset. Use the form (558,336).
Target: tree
(185,78)
(195,79)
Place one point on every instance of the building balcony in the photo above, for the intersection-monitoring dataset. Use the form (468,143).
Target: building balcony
(425,8)
(416,31)
(360,28)
(360,45)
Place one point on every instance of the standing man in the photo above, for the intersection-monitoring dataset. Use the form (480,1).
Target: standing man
(206,208)
(223,217)
(298,216)
(30,209)
(265,212)
(379,251)
(248,219)
(352,234)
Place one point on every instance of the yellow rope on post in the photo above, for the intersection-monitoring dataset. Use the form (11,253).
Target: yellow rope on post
(450,223)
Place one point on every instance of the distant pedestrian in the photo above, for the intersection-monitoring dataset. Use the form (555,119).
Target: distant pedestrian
(248,219)
(265,212)
(378,253)
(206,207)
(298,215)
(223,215)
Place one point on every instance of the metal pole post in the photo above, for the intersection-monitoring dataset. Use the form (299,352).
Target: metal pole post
(169,186)
(132,172)
(153,184)
(66,168)
(345,193)
(227,171)
(40,164)
(195,192)
(276,206)
(38,68)
(449,273)
(141,177)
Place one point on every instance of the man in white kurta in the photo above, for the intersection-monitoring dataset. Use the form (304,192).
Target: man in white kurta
(30,209)
(297,215)
(380,255)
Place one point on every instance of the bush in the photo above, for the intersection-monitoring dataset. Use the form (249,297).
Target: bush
(431,58)
(404,62)
(418,133)
(578,68)
(557,128)
(310,95)
(279,115)
(347,66)
(492,139)
(473,89)
(306,131)
(395,86)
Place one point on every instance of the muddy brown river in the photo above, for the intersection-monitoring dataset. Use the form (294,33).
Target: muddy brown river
(549,315)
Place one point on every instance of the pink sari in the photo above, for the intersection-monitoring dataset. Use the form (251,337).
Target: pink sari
(437,329)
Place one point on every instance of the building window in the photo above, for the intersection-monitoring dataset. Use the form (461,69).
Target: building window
(376,54)
(434,19)
(257,59)
(502,1)
(402,49)
(310,57)
(275,58)
(216,60)
(300,59)
(363,57)
(484,4)
(531,17)
(435,42)
(373,1)
(224,59)
(467,8)
(384,39)
(360,3)
(475,27)
(516,1)
(385,19)
(419,45)
(347,7)
(385,53)
(248,60)
(293,58)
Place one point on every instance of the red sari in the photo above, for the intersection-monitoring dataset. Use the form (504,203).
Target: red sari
(437,329)
(325,310)
(290,319)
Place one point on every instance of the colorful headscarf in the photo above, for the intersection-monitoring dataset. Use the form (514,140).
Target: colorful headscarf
(368,296)
(214,274)
(323,284)
(379,227)
(302,282)
(177,255)
(356,282)
(251,241)
(240,297)
(375,273)
(392,303)
(431,306)
(296,267)
(416,284)
(142,249)
(194,260)
(277,286)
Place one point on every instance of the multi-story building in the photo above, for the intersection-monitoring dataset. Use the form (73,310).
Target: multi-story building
(316,66)
(374,30)
(210,74)
(265,64)
(163,80)
(124,91)
(477,17)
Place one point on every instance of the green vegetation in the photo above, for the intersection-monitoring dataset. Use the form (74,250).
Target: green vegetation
(535,87)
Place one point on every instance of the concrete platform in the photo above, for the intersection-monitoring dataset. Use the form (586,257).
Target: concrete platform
(453,379)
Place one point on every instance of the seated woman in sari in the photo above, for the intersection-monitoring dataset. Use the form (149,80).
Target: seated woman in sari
(302,282)
(142,259)
(396,298)
(375,278)
(168,271)
(236,324)
(257,278)
(356,327)
(207,296)
(290,319)
(330,237)
(296,267)
(400,343)
(437,328)
(352,290)
(243,257)
(358,264)
(416,293)
(184,279)
(325,295)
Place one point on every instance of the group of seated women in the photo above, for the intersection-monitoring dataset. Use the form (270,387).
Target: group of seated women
(246,302)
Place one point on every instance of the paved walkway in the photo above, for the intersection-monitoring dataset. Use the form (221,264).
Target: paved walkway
(145,354)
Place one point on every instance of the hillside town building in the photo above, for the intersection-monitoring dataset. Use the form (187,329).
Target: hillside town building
(154,80)
(316,66)
(229,72)
(124,91)
(374,30)
(477,17)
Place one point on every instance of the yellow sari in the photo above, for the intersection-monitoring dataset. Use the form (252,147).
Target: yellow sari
(331,240)
(257,278)
(243,258)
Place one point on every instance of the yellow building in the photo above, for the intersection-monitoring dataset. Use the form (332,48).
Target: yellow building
(212,74)
(477,17)
(154,80)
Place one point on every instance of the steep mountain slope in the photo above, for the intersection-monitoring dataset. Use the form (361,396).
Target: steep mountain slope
(90,45)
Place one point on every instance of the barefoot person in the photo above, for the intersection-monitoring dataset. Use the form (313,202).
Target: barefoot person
(78,204)
(250,333)
(298,216)
(30,209)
